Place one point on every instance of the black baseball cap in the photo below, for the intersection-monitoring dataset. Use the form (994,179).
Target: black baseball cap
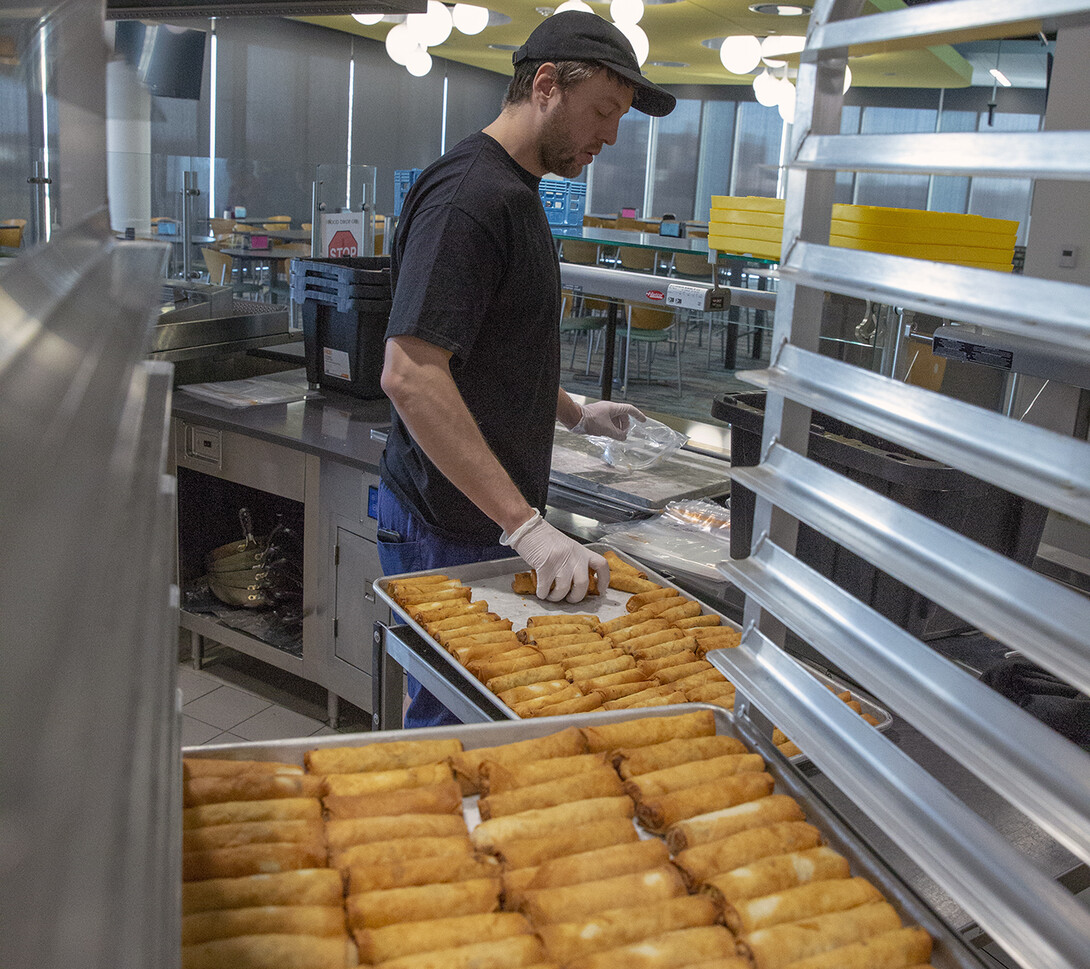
(575,35)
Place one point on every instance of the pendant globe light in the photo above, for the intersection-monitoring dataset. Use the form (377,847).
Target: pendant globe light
(741,54)
(469,18)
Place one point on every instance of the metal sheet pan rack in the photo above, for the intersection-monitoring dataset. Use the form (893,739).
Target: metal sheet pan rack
(1047,778)
(88,615)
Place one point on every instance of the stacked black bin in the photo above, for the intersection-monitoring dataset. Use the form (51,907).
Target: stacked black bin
(995,518)
(345,305)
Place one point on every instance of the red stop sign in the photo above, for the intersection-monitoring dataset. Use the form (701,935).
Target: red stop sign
(343,244)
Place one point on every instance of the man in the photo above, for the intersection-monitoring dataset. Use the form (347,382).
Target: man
(472,362)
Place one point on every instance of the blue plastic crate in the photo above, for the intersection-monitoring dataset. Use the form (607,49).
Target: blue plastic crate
(403,181)
(564,200)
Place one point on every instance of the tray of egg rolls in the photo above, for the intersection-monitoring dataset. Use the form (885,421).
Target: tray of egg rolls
(641,642)
(647,839)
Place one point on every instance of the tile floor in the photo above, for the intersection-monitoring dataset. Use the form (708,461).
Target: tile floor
(234,698)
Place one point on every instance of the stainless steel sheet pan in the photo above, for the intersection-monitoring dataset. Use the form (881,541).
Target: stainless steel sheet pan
(951,950)
(492,581)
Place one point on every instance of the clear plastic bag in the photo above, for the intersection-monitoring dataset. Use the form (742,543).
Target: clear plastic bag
(648,443)
(689,536)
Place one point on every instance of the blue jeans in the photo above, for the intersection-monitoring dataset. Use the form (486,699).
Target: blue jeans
(421,548)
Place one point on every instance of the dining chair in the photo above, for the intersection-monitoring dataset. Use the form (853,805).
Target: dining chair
(638,259)
(646,324)
(579,251)
(587,317)
(11,235)
(221,227)
(219,265)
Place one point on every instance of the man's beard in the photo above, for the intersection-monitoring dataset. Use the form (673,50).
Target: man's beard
(557,154)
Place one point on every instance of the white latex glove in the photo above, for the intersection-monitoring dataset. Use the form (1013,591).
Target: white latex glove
(605,418)
(563,566)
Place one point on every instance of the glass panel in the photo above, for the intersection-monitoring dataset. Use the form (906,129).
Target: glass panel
(678,142)
(950,193)
(895,191)
(618,176)
(1005,198)
(756,150)
(850,117)
(716,142)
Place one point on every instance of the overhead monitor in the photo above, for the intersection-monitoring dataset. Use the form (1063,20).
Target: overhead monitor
(150,9)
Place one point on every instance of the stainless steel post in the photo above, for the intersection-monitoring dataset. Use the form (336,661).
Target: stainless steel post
(315,227)
(41,221)
(189,191)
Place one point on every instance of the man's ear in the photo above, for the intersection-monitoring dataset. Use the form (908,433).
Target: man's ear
(545,87)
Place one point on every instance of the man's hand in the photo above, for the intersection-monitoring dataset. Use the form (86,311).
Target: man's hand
(605,418)
(563,566)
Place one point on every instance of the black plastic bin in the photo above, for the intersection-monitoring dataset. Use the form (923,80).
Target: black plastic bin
(996,519)
(345,306)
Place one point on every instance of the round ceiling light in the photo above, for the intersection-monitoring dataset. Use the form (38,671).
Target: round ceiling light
(740,55)
(626,11)
(786,102)
(367,19)
(573,5)
(781,9)
(469,18)
(419,62)
(430,28)
(400,44)
(766,89)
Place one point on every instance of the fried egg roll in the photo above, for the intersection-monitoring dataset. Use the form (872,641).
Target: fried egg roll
(721,824)
(532,691)
(670,753)
(442,798)
(261,951)
(658,813)
(561,618)
(613,665)
(767,875)
(524,852)
(408,938)
(669,950)
(614,927)
(675,658)
(253,859)
(407,872)
(499,778)
(321,920)
(640,599)
(568,902)
(565,743)
(620,690)
(649,730)
(249,787)
(252,832)
(526,677)
(800,902)
(240,812)
(692,773)
(600,863)
(304,886)
(578,704)
(736,850)
(514,952)
(372,910)
(655,697)
(376,782)
(630,582)
(214,767)
(385,852)
(355,831)
(603,782)
(781,945)
(379,756)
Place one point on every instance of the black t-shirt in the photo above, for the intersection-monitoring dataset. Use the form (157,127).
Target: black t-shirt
(475,272)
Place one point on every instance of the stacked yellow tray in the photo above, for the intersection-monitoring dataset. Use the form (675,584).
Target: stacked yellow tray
(754,226)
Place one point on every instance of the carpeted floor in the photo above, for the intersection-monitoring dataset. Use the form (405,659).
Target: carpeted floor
(702,374)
